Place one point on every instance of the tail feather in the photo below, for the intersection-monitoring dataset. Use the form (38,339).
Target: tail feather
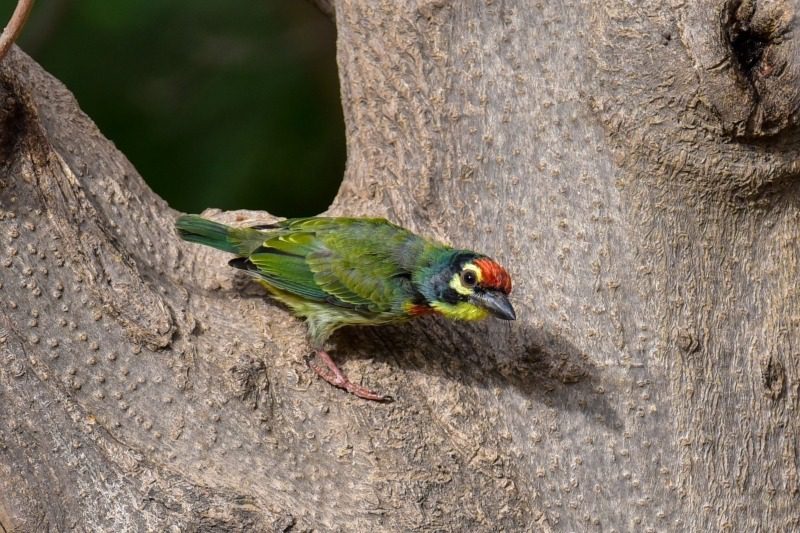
(194,228)
(239,241)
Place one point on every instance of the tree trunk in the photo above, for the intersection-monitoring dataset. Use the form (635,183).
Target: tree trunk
(636,168)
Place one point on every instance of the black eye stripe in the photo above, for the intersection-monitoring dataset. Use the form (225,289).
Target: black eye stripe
(452,297)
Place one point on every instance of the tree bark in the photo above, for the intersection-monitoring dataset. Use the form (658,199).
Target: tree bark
(636,169)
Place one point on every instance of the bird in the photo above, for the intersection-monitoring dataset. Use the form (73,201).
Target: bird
(350,271)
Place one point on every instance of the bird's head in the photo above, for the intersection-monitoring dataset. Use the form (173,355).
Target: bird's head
(463,285)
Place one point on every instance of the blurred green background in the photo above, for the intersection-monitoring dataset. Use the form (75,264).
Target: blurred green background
(218,103)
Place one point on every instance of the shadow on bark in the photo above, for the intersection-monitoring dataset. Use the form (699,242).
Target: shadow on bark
(537,365)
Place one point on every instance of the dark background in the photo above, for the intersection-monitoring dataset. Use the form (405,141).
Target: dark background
(218,103)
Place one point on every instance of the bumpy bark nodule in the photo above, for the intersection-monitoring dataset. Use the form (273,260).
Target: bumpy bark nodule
(636,170)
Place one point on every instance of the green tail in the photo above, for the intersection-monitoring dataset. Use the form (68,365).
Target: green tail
(194,228)
(239,241)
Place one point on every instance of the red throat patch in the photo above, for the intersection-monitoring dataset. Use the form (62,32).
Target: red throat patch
(493,275)
(420,309)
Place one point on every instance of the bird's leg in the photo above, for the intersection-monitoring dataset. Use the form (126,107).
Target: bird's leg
(337,378)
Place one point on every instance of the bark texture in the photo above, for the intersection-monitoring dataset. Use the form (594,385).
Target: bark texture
(637,170)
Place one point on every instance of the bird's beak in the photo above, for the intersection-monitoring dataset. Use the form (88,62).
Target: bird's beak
(496,303)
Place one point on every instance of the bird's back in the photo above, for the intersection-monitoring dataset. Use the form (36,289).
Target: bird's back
(361,264)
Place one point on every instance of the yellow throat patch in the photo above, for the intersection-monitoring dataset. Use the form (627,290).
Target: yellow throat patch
(461,311)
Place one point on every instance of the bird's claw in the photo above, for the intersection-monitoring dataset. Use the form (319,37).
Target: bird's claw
(337,378)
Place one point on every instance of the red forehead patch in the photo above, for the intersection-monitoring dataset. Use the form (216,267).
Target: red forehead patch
(494,276)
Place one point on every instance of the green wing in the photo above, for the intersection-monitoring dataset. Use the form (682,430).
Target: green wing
(352,263)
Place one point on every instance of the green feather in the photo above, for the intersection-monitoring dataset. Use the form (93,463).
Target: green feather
(240,241)
(289,273)
(194,228)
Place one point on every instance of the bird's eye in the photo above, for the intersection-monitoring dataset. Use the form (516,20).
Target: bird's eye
(468,278)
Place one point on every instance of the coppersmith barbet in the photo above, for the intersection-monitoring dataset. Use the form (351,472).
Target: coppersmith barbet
(357,271)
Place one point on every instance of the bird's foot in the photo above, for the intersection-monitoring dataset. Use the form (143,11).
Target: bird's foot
(336,377)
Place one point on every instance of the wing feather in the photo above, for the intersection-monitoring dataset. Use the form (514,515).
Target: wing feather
(345,262)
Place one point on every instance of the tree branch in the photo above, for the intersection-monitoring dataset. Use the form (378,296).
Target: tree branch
(14,27)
